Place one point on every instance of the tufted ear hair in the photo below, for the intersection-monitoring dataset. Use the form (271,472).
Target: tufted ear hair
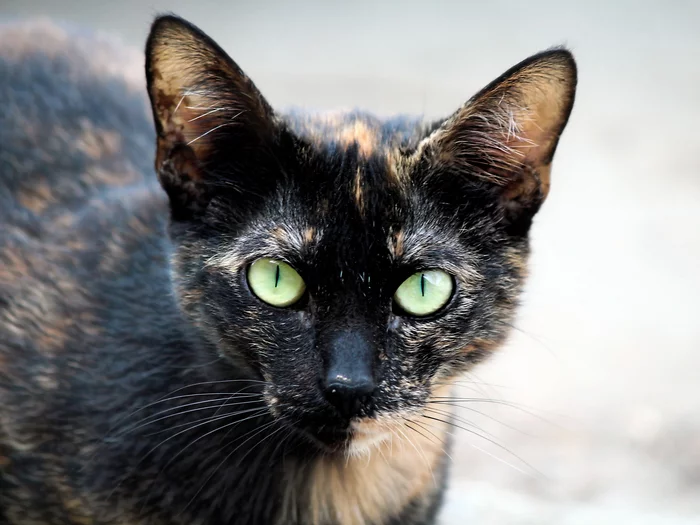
(204,106)
(508,132)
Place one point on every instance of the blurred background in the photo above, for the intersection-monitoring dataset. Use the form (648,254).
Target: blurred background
(600,421)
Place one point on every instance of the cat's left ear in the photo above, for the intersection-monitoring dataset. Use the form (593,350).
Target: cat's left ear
(209,115)
(507,133)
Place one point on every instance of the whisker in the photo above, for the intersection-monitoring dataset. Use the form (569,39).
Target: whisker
(494,401)
(497,458)
(194,367)
(493,442)
(261,429)
(188,430)
(169,397)
(442,441)
(233,396)
(457,402)
(145,421)
(472,424)
(537,340)
(420,452)
(468,382)
(274,451)
(442,448)
(210,419)
(487,389)
(240,460)
(260,411)
(478,387)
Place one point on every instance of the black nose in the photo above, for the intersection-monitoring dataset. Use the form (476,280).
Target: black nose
(349,382)
(349,397)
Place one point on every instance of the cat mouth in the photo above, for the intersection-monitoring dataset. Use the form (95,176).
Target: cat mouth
(333,437)
(350,438)
(327,437)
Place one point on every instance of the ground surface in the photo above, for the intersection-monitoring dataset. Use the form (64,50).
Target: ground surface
(608,352)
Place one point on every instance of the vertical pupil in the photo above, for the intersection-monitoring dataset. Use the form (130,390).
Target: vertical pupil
(277,275)
(422,284)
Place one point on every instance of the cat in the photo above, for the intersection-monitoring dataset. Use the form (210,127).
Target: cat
(268,331)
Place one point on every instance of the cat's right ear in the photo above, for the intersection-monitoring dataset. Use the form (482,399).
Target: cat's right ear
(207,113)
(507,134)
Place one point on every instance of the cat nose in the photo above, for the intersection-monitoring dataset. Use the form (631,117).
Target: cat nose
(349,396)
(349,381)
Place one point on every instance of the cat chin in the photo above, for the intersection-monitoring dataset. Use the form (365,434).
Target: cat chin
(363,444)
(326,440)
(368,435)
(360,438)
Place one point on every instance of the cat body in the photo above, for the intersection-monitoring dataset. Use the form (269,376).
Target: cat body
(141,379)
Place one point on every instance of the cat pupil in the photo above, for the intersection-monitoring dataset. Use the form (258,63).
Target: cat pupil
(422,284)
(277,275)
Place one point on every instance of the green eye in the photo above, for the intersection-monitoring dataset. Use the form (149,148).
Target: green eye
(275,282)
(424,293)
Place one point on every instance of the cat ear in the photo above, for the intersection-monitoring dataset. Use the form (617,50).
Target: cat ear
(507,133)
(200,98)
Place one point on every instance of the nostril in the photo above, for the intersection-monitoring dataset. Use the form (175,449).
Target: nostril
(349,397)
(349,371)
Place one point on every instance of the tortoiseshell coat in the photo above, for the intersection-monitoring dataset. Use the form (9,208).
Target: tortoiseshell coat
(114,296)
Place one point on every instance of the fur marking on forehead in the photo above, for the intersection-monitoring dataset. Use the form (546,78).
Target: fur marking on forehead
(266,238)
(410,243)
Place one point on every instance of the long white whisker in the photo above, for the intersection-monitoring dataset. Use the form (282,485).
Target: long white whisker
(484,414)
(493,442)
(210,419)
(148,420)
(450,415)
(188,430)
(182,450)
(262,429)
(169,397)
(420,452)
(440,440)
(460,403)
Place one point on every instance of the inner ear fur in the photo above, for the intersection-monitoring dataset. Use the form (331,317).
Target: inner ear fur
(199,96)
(508,132)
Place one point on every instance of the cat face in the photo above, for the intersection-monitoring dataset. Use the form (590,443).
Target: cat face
(354,265)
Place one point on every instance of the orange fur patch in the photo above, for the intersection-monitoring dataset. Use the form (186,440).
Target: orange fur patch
(36,199)
(358,191)
(97,143)
(396,244)
(358,132)
(309,235)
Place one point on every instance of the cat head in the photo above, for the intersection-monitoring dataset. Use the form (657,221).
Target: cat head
(354,265)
